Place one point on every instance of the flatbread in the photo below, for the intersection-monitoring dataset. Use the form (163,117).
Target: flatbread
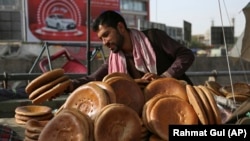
(70,124)
(115,74)
(237,88)
(56,90)
(88,98)
(44,78)
(127,92)
(33,110)
(216,111)
(117,122)
(47,87)
(206,104)
(168,86)
(196,102)
(170,110)
(35,126)
(40,118)
(108,89)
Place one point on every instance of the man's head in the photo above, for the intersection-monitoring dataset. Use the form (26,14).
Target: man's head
(110,27)
(110,19)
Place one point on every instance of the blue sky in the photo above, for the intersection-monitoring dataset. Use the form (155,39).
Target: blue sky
(200,13)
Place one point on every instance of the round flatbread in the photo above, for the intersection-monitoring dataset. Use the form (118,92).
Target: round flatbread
(35,126)
(47,87)
(216,111)
(214,87)
(58,89)
(31,135)
(206,104)
(168,86)
(18,121)
(33,110)
(108,89)
(40,118)
(237,88)
(238,97)
(88,98)
(170,111)
(70,124)
(115,74)
(28,139)
(128,93)
(117,122)
(196,102)
(44,79)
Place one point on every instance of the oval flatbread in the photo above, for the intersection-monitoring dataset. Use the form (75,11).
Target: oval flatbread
(47,87)
(56,90)
(43,79)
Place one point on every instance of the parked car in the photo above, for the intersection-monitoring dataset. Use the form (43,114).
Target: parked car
(59,22)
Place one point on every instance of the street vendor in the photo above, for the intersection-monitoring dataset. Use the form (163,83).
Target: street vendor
(147,55)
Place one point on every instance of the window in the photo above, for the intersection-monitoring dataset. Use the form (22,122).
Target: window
(8,2)
(10,25)
(133,5)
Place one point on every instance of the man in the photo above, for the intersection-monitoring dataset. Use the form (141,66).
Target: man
(148,55)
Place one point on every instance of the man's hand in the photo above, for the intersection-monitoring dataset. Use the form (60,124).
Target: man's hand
(150,76)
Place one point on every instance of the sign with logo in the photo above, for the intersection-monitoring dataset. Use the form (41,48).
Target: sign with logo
(63,20)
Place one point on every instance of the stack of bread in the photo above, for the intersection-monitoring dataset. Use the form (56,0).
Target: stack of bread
(121,108)
(25,113)
(167,103)
(47,86)
(204,104)
(239,91)
(33,128)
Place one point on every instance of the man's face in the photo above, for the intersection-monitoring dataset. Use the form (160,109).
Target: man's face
(111,38)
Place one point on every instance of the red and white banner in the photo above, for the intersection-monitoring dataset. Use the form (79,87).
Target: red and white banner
(63,20)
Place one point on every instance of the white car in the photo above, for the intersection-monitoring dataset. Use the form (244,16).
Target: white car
(59,22)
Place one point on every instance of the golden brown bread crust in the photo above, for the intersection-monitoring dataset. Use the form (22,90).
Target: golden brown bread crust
(33,110)
(70,123)
(127,92)
(215,109)
(58,89)
(35,126)
(30,135)
(43,79)
(206,104)
(47,87)
(40,117)
(115,74)
(168,86)
(154,137)
(237,88)
(238,97)
(117,122)
(88,98)
(196,102)
(108,89)
(170,110)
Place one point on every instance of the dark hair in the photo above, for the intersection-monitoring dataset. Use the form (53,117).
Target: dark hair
(109,18)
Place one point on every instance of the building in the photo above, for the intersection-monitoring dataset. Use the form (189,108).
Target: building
(13,19)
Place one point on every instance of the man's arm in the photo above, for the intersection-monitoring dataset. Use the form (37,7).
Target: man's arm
(98,75)
(181,57)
